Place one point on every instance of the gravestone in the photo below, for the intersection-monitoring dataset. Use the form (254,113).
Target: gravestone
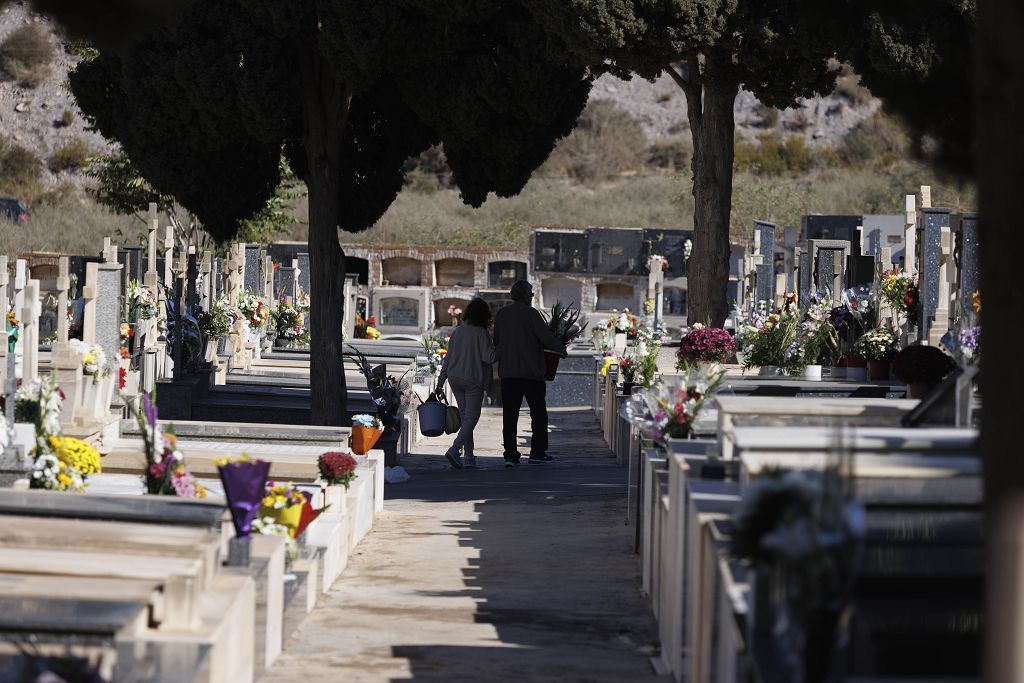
(399,312)
(216,278)
(108,309)
(559,251)
(615,251)
(827,270)
(251,273)
(969,250)
(304,284)
(930,246)
(286,278)
(860,270)
(402,310)
(611,296)
(882,231)
(765,238)
(672,245)
(842,228)
(765,278)
(131,258)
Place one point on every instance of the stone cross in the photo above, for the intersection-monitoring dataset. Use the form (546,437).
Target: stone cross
(910,236)
(109,251)
(789,245)
(926,196)
(267,290)
(30,332)
(63,284)
(168,251)
(89,294)
(235,267)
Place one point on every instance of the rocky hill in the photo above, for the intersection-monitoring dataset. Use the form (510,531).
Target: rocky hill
(45,118)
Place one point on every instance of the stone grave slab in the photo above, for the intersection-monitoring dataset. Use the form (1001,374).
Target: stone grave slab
(560,251)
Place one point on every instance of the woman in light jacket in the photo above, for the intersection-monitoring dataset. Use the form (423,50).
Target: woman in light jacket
(467,368)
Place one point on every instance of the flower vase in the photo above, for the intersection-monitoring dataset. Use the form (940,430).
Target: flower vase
(287,516)
(855,374)
(710,369)
(878,369)
(812,373)
(627,388)
(769,371)
(838,372)
(620,342)
(364,438)
(24,436)
(89,396)
(551,358)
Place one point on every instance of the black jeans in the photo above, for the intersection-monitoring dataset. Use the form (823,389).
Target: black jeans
(512,392)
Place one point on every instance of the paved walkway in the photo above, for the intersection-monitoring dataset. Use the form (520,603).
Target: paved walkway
(492,574)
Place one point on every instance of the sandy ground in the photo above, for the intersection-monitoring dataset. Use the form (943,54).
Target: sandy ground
(493,574)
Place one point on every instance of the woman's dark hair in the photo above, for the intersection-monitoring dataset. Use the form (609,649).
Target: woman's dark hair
(478,313)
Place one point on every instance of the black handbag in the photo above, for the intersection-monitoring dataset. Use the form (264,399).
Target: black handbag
(452,420)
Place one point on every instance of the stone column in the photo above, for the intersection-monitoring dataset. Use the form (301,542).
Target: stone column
(939,325)
(910,236)
(30,332)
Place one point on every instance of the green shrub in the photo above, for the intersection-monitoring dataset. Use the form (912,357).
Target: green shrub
(20,170)
(607,142)
(671,154)
(773,155)
(418,181)
(27,54)
(879,140)
(70,157)
(67,117)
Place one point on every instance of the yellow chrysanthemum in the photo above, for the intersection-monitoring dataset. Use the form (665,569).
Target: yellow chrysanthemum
(200,490)
(75,453)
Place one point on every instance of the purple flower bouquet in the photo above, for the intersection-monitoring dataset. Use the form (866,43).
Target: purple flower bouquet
(245,484)
(705,345)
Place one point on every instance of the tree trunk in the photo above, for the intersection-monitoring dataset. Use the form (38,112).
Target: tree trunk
(325,110)
(999,158)
(709,103)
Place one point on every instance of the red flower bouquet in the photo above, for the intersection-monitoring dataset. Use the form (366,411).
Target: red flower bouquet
(705,345)
(337,468)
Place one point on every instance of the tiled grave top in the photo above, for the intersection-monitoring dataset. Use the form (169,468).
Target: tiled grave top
(80,617)
(147,509)
(188,430)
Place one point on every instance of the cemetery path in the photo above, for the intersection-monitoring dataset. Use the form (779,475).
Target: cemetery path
(523,574)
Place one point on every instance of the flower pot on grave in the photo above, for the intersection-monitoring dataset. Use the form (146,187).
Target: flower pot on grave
(364,438)
(627,388)
(24,436)
(89,397)
(620,342)
(856,374)
(287,516)
(211,350)
(878,369)
(838,372)
(551,358)
(812,373)
(710,369)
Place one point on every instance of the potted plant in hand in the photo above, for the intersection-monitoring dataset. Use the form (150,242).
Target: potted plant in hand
(877,347)
(921,368)
(564,322)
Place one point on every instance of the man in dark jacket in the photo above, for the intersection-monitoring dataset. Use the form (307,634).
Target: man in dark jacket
(521,336)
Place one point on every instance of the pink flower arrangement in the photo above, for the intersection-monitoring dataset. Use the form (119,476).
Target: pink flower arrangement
(705,345)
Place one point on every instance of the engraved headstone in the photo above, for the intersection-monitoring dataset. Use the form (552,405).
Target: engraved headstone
(557,251)
(286,283)
(251,274)
(930,247)
(969,248)
(616,251)
(503,274)
(303,283)
(818,227)
(766,232)
(399,312)
(108,309)
(765,282)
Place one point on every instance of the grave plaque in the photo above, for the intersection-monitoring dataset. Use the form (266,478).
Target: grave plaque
(968,259)
(303,283)
(616,252)
(399,312)
(559,251)
(76,271)
(251,274)
(672,245)
(108,309)
(930,246)
(766,231)
(825,270)
(502,274)
(816,227)
(804,276)
(860,270)
(285,282)
(765,283)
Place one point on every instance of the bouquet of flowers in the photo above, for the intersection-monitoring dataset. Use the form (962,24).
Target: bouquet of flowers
(900,290)
(878,344)
(922,364)
(564,322)
(288,323)
(266,526)
(970,342)
(454,311)
(142,302)
(669,408)
(283,503)
(39,402)
(772,334)
(337,468)
(253,309)
(627,368)
(166,473)
(365,328)
(216,321)
(436,348)
(65,465)
(704,345)
(623,323)
(94,360)
(244,481)
(368,421)
(815,336)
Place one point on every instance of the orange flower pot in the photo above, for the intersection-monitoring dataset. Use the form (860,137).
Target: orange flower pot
(364,438)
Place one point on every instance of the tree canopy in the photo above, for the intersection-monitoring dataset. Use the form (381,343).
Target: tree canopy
(205,103)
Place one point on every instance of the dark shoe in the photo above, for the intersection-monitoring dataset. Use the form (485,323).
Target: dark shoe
(540,459)
(453,458)
(469,461)
(512,460)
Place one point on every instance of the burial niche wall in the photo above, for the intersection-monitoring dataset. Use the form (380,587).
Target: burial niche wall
(399,312)
(561,289)
(503,274)
(615,296)
(674,301)
(359,267)
(454,272)
(441,315)
(401,271)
